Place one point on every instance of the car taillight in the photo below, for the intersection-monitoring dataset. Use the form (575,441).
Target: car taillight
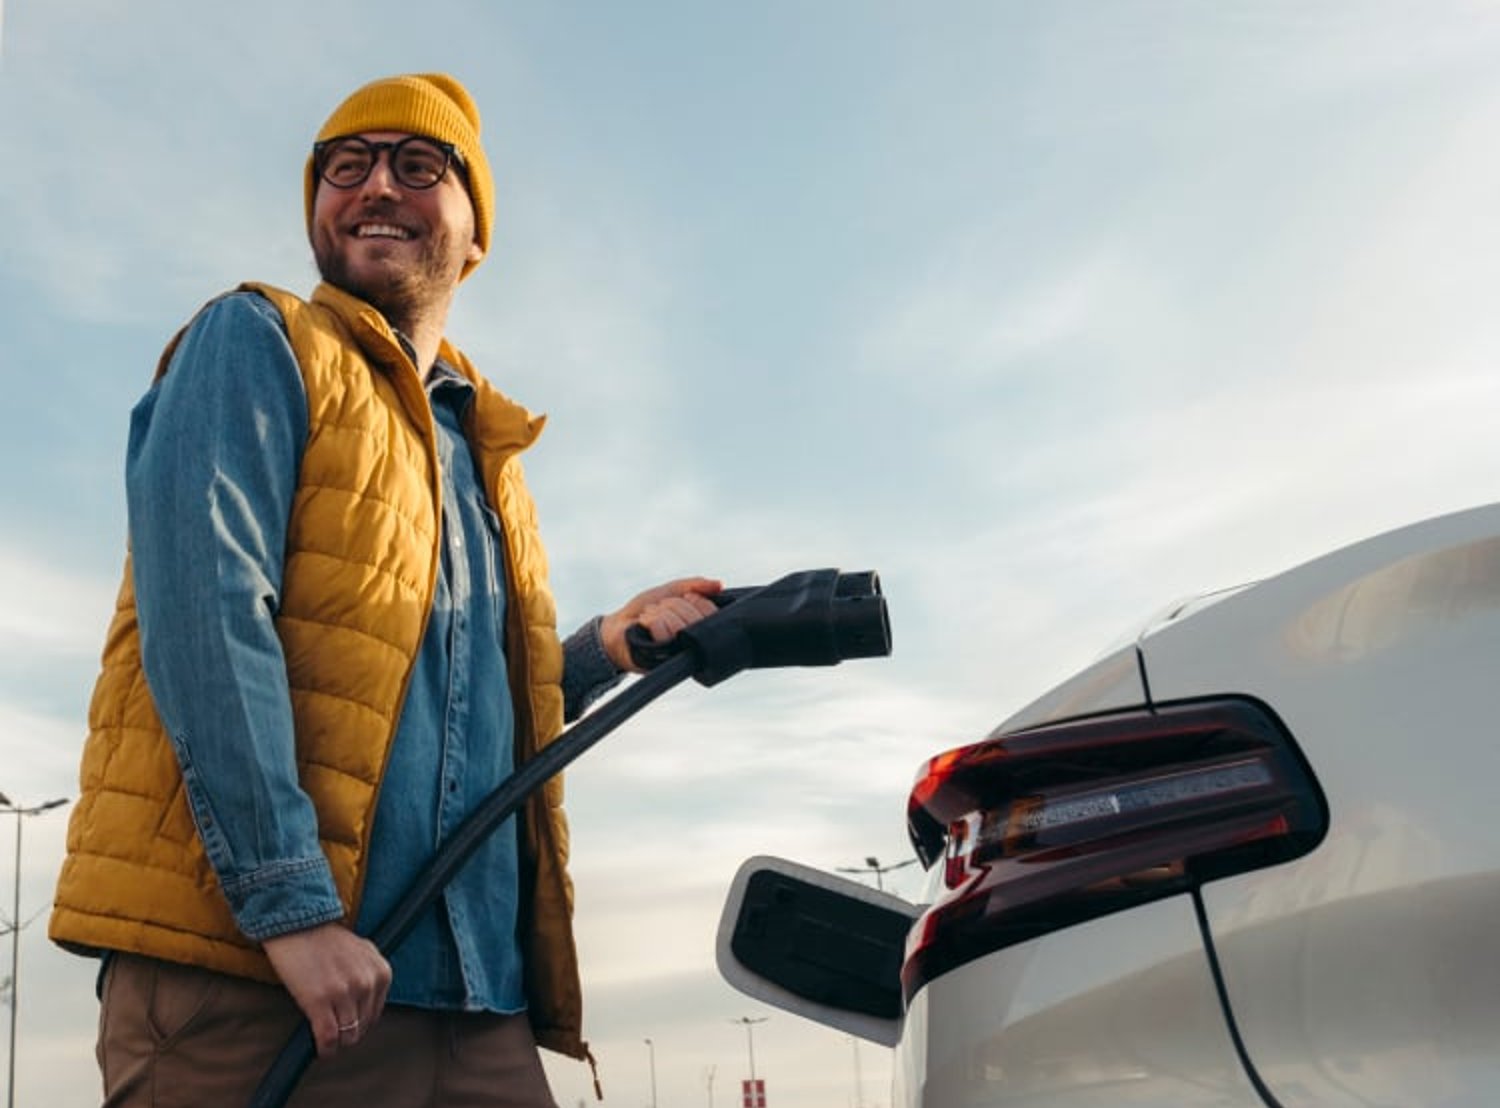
(1045,828)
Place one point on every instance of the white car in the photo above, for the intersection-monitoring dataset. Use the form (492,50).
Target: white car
(1251,859)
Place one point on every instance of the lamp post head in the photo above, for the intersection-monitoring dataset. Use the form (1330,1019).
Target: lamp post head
(7,804)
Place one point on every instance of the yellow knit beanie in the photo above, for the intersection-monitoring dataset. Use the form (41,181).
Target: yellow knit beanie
(431,104)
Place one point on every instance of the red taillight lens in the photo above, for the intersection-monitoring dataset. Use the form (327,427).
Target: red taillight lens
(1045,828)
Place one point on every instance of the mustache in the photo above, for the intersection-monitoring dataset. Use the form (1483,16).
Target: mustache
(380,211)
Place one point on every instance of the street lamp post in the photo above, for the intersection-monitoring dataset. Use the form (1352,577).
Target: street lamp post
(651,1050)
(872,865)
(859,1084)
(750,1041)
(6,804)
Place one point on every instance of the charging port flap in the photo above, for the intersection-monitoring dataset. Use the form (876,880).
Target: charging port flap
(817,945)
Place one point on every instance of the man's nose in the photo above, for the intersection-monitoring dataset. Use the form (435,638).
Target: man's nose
(381,180)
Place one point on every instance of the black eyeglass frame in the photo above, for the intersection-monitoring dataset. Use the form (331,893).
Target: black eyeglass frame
(451,157)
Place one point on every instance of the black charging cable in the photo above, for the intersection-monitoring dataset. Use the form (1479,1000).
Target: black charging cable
(811,618)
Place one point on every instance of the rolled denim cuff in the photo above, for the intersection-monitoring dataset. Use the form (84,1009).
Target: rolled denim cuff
(285,897)
(588,672)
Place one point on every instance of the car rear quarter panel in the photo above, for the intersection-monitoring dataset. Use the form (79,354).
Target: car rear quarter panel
(1118,1011)
(1364,973)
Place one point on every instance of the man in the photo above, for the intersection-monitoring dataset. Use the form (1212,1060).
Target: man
(334,637)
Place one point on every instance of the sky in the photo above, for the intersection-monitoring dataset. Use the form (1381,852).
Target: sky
(1051,314)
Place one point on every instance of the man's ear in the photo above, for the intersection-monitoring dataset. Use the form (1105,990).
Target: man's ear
(476,252)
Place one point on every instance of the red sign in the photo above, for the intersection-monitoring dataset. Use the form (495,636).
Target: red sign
(754,1093)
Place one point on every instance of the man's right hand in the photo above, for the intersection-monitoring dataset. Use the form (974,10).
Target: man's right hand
(338,979)
(662,611)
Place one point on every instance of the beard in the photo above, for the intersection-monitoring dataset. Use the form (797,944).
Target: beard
(403,289)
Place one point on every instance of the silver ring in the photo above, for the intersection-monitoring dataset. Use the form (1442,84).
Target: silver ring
(352,1025)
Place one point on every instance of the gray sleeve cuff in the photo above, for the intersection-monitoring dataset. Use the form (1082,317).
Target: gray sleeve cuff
(587,671)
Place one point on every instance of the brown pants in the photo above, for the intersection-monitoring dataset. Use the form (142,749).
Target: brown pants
(172,1036)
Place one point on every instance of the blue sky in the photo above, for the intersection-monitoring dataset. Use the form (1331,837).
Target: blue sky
(1051,314)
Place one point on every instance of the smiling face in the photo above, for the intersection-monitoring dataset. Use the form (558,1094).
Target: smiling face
(402,250)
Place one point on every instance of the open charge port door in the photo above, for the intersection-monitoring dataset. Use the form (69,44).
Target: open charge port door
(817,945)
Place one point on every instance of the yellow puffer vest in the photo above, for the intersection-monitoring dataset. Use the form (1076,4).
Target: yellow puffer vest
(361,565)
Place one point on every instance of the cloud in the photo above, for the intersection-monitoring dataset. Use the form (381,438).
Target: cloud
(976,317)
(1048,316)
(51,628)
(45,609)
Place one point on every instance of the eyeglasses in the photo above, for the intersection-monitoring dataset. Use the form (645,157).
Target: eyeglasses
(416,162)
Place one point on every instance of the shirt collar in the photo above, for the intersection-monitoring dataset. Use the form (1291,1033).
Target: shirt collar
(440,374)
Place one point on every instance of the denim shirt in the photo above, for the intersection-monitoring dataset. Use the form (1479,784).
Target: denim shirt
(211,471)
